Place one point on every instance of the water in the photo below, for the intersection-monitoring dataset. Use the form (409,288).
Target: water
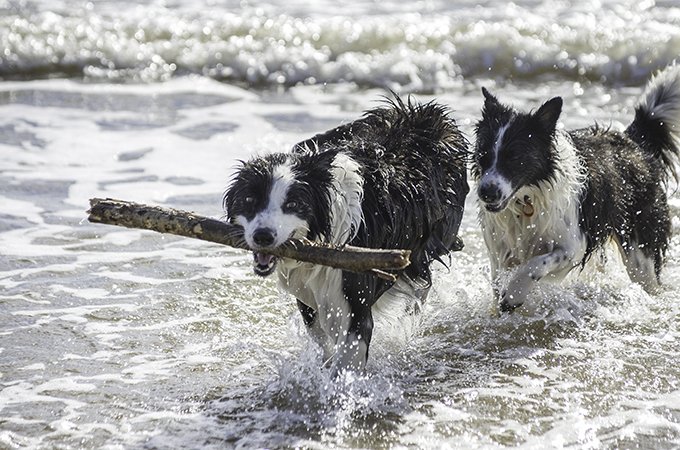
(423,46)
(113,338)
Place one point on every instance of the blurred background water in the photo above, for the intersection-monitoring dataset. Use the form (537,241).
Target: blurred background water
(113,338)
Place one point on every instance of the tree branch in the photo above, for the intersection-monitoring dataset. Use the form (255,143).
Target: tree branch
(183,223)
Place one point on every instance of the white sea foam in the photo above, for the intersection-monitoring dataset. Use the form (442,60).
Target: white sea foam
(421,48)
(21,209)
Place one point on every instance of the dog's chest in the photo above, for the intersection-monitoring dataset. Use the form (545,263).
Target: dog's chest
(314,285)
(519,233)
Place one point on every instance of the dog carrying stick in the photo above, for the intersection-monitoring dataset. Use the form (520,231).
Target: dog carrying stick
(182,223)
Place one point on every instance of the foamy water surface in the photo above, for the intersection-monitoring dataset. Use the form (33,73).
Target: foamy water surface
(420,46)
(113,338)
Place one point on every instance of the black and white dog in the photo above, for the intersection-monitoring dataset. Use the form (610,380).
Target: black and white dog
(395,178)
(549,198)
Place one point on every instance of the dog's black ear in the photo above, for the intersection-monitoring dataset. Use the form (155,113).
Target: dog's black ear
(492,107)
(548,113)
(489,99)
(315,166)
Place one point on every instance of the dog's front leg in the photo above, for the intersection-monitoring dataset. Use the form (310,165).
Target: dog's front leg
(312,322)
(352,351)
(355,327)
(350,328)
(530,273)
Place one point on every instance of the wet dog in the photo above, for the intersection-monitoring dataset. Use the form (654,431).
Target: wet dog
(549,198)
(394,179)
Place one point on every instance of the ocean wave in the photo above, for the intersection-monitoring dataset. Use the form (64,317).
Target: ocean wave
(617,43)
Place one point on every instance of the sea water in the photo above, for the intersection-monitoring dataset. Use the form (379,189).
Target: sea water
(114,338)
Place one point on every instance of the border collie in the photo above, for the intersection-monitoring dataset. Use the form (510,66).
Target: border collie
(549,198)
(393,179)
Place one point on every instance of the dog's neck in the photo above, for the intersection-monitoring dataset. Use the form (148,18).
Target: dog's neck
(555,195)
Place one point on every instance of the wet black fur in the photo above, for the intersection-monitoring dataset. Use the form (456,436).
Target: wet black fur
(625,193)
(413,163)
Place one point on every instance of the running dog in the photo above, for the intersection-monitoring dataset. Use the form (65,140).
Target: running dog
(549,198)
(393,179)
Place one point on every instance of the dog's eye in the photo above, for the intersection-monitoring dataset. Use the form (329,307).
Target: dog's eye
(248,203)
(291,205)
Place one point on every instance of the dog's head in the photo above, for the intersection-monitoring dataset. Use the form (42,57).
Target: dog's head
(278,197)
(513,150)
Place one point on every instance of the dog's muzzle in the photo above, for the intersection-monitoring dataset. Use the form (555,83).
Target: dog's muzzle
(263,264)
(490,194)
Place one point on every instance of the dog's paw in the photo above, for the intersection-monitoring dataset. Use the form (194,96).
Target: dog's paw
(508,303)
(506,306)
(515,293)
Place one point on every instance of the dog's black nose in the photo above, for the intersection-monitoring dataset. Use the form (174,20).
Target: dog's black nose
(264,237)
(489,192)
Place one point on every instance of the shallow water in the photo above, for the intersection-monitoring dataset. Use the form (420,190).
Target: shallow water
(113,338)
(116,338)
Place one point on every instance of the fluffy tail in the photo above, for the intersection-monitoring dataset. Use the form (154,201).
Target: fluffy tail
(656,126)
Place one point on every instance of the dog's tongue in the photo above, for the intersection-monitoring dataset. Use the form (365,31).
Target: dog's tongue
(263,259)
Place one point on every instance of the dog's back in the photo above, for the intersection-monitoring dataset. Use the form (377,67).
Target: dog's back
(628,174)
(413,162)
(624,197)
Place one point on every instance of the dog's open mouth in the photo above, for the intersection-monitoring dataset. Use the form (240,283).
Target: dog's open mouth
(263,263)
(493,207)
(497,207)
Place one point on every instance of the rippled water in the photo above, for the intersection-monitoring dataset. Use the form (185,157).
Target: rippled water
(121,338)
(420,46)
(113,338)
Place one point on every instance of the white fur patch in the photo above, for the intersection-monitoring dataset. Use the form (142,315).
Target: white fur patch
(320,288)
(347,195)
(640,268)
(492,176)
(497,144)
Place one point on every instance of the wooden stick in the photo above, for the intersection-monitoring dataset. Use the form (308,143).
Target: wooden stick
(183,223)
